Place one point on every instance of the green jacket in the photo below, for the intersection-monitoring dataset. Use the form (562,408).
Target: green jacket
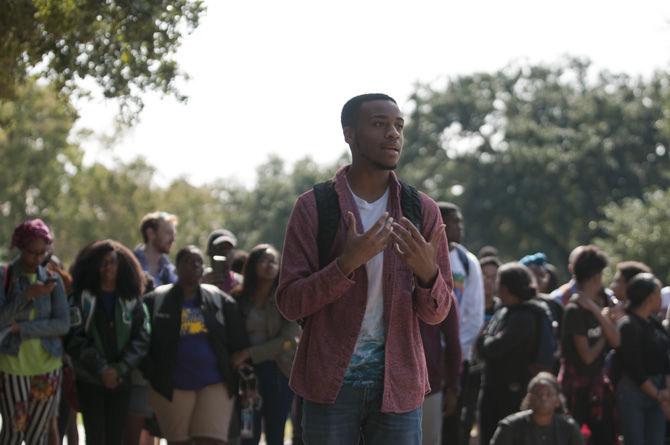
(93,346)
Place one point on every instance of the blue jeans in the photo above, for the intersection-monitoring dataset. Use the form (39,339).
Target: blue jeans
(642,421)
(355,415)
(277,398)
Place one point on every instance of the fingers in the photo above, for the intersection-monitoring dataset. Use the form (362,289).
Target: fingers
(351,224)
(380,224)
(436,237)
(411,228)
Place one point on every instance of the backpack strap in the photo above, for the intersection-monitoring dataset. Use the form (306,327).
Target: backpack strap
(463,258)
(410,204)
(328,210)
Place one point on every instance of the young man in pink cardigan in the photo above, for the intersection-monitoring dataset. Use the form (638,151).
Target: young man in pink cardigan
(360,365)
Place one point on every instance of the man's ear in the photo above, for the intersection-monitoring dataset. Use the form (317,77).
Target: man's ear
(349,135)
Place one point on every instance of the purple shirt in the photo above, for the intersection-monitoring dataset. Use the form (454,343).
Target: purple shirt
(334,304)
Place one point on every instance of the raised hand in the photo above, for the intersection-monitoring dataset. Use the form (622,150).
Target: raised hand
(419,254)
(359,248)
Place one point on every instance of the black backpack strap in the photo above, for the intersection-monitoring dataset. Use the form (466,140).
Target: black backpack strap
(328,210)
(410,204)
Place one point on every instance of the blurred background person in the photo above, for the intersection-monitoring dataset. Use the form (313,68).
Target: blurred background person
(34,315)
(643,366)
(195,330)
(587,335)
(220,247)
(507,346)
(273,341)
(109,338)
(542,419)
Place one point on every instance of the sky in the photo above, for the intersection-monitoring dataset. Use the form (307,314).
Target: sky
(270,77)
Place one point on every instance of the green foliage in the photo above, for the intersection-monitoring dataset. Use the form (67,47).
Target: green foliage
(126,47)
(260,215)
(638,229)
(37,161)
(538,151)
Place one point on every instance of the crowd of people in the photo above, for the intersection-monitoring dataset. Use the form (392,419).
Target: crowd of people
(375,324)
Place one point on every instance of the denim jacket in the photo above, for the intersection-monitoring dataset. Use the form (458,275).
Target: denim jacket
(52,317)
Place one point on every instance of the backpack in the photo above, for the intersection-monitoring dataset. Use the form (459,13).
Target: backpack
(463,258)
(544,353)
(328,210)
(329,213)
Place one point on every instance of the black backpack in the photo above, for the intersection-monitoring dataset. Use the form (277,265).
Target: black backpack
(328,210)
(329,213)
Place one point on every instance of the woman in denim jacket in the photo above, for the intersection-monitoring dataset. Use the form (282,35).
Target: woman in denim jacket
(33,317)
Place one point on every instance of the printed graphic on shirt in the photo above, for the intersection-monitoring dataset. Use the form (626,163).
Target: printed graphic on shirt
(366,367)
(192,322)
(459,285)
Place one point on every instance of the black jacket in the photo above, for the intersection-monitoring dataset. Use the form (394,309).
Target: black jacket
(519,429)
(93,343)
(225,332)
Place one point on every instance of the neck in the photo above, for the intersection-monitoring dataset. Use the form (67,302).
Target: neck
(642,311)
(542,419)
(27,269)
(189,290)
(590,291)
(368,183)
(262,293)
(152,255)
(108,287)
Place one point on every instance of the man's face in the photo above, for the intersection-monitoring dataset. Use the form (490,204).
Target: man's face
(378,138)
(454,223)
(489,273)
(162,238)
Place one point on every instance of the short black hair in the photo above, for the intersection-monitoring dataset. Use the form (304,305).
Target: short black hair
(590,261)
(349,116)
(639,288)
(447,208)
(518,280)
(628,269)
(187,250)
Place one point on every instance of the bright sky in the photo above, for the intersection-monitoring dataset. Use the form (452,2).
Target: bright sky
(271,77)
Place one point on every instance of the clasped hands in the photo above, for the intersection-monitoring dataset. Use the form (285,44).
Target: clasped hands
(419,255)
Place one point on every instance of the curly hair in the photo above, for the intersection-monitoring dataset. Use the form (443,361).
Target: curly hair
(86,269)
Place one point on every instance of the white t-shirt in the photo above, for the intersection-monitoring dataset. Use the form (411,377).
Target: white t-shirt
(469,291)
(367,362)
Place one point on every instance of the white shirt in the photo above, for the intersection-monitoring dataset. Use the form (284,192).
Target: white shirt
(367,361)
(469,291)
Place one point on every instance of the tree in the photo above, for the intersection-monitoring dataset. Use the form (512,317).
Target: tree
(260,215)
(37,161)
(533,153)
(638,229)
(126,47)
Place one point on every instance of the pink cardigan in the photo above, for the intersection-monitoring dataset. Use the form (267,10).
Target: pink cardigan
(334,304)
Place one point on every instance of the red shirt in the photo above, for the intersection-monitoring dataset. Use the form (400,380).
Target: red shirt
(334,304)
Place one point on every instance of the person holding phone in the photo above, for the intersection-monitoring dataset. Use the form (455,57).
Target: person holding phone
(33,316)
